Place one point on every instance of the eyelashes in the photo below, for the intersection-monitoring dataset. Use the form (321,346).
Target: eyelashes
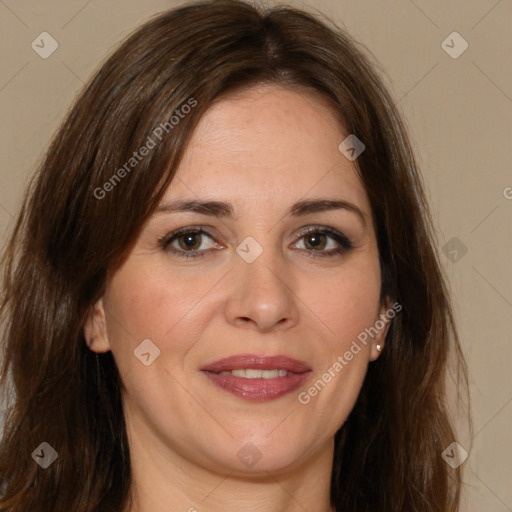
(188,242)
(316,236)
(190,236)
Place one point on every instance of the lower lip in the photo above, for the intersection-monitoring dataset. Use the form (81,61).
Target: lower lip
(258,390)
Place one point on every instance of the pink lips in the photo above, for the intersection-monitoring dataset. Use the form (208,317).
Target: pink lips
(258,389)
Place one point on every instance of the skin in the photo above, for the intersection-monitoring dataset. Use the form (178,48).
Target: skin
(262,150)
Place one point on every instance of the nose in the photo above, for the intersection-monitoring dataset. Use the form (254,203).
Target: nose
(261,296)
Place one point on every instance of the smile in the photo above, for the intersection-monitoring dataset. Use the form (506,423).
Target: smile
(257,378)
(251,373)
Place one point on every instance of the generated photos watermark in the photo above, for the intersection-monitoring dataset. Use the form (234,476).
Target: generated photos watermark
(305,397)
(151,142)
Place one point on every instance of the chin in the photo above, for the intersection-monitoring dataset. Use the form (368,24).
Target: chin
(255,456)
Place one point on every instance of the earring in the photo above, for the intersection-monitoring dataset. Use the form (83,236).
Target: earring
(379,348)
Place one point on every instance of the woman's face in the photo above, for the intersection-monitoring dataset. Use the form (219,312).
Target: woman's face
(282,279)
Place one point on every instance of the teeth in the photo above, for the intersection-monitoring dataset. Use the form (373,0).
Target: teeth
(249,373)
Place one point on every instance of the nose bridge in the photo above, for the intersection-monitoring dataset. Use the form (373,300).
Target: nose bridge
(262,286)
(265,273)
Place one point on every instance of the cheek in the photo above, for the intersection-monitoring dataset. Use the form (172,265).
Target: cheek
(350,306)
(147,304)
(348,303)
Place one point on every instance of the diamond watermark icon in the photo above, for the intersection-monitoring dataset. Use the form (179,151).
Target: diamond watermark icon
(147,352)
(44,45)
(454,249)
(249,455)
(45,455)
(455,455)
(249,250)
(351,147)
(454,45)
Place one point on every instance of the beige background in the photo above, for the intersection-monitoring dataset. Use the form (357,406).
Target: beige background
(459,113)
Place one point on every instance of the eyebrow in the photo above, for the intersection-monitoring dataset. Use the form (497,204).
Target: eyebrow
(222,209)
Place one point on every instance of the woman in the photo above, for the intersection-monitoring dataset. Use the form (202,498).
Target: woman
(222,292)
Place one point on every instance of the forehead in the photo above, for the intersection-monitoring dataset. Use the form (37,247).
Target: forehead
(268,141)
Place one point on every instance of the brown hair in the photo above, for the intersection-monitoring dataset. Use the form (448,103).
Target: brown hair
(70,235)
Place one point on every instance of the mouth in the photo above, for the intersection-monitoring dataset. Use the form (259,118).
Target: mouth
(257,378)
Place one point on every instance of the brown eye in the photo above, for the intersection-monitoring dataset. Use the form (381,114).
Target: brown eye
(315,241)
(323,241)
(190,241)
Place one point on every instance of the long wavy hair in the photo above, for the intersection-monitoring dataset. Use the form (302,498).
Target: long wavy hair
(70,235)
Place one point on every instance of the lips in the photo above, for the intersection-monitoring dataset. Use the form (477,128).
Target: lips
(257,378)
(244,361)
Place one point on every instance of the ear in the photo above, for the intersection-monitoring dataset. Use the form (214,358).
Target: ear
(95,329)
(382,324)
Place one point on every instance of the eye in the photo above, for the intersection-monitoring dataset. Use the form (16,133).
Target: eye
(188,242)
(324,241)
(192,242)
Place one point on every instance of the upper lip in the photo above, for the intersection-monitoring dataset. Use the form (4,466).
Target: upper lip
(256,362)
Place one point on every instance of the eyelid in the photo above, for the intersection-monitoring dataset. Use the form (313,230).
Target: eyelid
(187,229)
(344,243)
(326,230)
(340,238)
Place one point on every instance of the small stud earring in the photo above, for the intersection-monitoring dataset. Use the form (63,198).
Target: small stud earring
(379,348)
